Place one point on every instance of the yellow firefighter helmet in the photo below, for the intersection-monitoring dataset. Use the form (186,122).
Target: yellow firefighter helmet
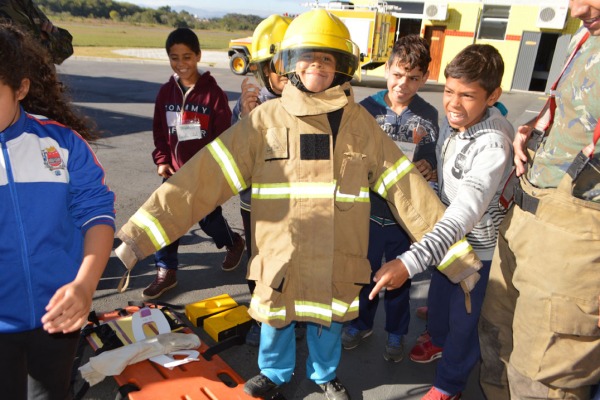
(318,30)
(266,40)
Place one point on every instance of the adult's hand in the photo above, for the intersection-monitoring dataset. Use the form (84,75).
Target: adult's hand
(520,148)
(48,27)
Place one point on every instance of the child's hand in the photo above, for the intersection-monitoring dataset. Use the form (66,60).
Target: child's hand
(248,98)
(68,309)
(165,170)
(424,168)
(520,148)
(391,276)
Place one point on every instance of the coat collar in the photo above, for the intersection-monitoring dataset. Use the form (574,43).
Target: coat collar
(300,103)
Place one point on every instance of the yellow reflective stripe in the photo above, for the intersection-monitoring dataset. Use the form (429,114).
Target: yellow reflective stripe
(392,175)
(363,196)
(289,190)
(265,311)
(455,251)
(228,165)
(340,308)
(313,310)
(152,227)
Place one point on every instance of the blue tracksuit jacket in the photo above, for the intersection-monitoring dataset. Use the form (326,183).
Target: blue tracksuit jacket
(52,190)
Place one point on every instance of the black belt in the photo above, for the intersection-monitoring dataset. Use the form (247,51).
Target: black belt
(525,201)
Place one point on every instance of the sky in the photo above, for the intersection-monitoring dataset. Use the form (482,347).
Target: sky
(214,8)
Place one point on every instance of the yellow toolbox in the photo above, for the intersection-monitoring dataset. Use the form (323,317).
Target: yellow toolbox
(229,323)
(197,312)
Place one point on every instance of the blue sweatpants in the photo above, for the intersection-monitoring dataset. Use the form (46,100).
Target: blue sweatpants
(214,225)
(389,241)
(277,352)
(453,329)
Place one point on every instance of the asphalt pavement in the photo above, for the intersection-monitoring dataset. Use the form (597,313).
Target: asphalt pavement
(119,96)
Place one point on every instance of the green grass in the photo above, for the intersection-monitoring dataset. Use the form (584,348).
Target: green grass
(100,33)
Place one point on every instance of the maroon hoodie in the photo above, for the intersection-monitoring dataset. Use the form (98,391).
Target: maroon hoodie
(206,103)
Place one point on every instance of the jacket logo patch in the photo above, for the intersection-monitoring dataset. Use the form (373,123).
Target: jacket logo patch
(52,159)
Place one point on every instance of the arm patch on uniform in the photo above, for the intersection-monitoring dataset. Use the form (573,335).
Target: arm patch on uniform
(314,146)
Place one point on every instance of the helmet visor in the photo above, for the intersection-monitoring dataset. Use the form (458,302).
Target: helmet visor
(291,60)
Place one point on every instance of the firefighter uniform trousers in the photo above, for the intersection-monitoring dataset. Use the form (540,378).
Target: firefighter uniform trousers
(539,325)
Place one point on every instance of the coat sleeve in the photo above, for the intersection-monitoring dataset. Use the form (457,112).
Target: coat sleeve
(473,197)
(217,172)
(417,208)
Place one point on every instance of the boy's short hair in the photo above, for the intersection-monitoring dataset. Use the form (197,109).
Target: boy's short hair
(481,63)
(183,36)
(411,51)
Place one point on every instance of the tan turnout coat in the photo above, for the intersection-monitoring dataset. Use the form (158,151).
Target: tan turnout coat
(310,203)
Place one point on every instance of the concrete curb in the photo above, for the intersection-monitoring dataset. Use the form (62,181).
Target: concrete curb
(211,58)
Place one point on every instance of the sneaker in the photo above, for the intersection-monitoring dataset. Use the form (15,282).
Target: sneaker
(421,313)
(394,348)
(334,390)
(351,337)
(166,279)
(425,352)
(234,253)
(259,386)
(253,335)
(435,394)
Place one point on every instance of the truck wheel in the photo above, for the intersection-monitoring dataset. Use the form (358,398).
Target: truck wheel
(238,63)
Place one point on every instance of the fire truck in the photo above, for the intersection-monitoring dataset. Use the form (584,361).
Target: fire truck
(373,28)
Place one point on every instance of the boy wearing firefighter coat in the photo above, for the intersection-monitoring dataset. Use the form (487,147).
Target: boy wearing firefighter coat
(311,158)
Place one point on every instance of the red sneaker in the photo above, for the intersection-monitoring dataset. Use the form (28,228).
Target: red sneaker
(435,394)
(425,352)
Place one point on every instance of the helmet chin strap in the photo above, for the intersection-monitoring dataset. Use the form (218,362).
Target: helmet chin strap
(337,80)
(296,81)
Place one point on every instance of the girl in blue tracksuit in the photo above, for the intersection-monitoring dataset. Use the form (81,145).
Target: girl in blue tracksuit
(56,223)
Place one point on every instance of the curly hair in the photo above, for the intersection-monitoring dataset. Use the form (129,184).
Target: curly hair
(411,51)
(24,58)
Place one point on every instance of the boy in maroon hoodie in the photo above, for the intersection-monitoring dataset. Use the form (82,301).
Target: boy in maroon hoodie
(190,111)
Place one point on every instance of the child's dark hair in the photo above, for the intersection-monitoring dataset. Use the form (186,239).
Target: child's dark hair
(479,63)
(24,58)
(183,36)
(411,51)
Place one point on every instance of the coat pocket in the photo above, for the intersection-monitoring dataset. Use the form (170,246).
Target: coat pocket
(574,316)
(355,270)
(353,180)
(276,146)
(268,271)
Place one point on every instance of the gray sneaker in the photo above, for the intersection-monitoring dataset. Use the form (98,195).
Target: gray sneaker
(351,337)
(394,348)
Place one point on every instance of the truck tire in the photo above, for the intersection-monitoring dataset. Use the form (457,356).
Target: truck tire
(238,63)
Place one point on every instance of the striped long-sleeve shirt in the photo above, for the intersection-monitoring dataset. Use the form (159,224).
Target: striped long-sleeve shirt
(473,167)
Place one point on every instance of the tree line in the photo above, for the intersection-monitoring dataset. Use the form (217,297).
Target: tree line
(127,12)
